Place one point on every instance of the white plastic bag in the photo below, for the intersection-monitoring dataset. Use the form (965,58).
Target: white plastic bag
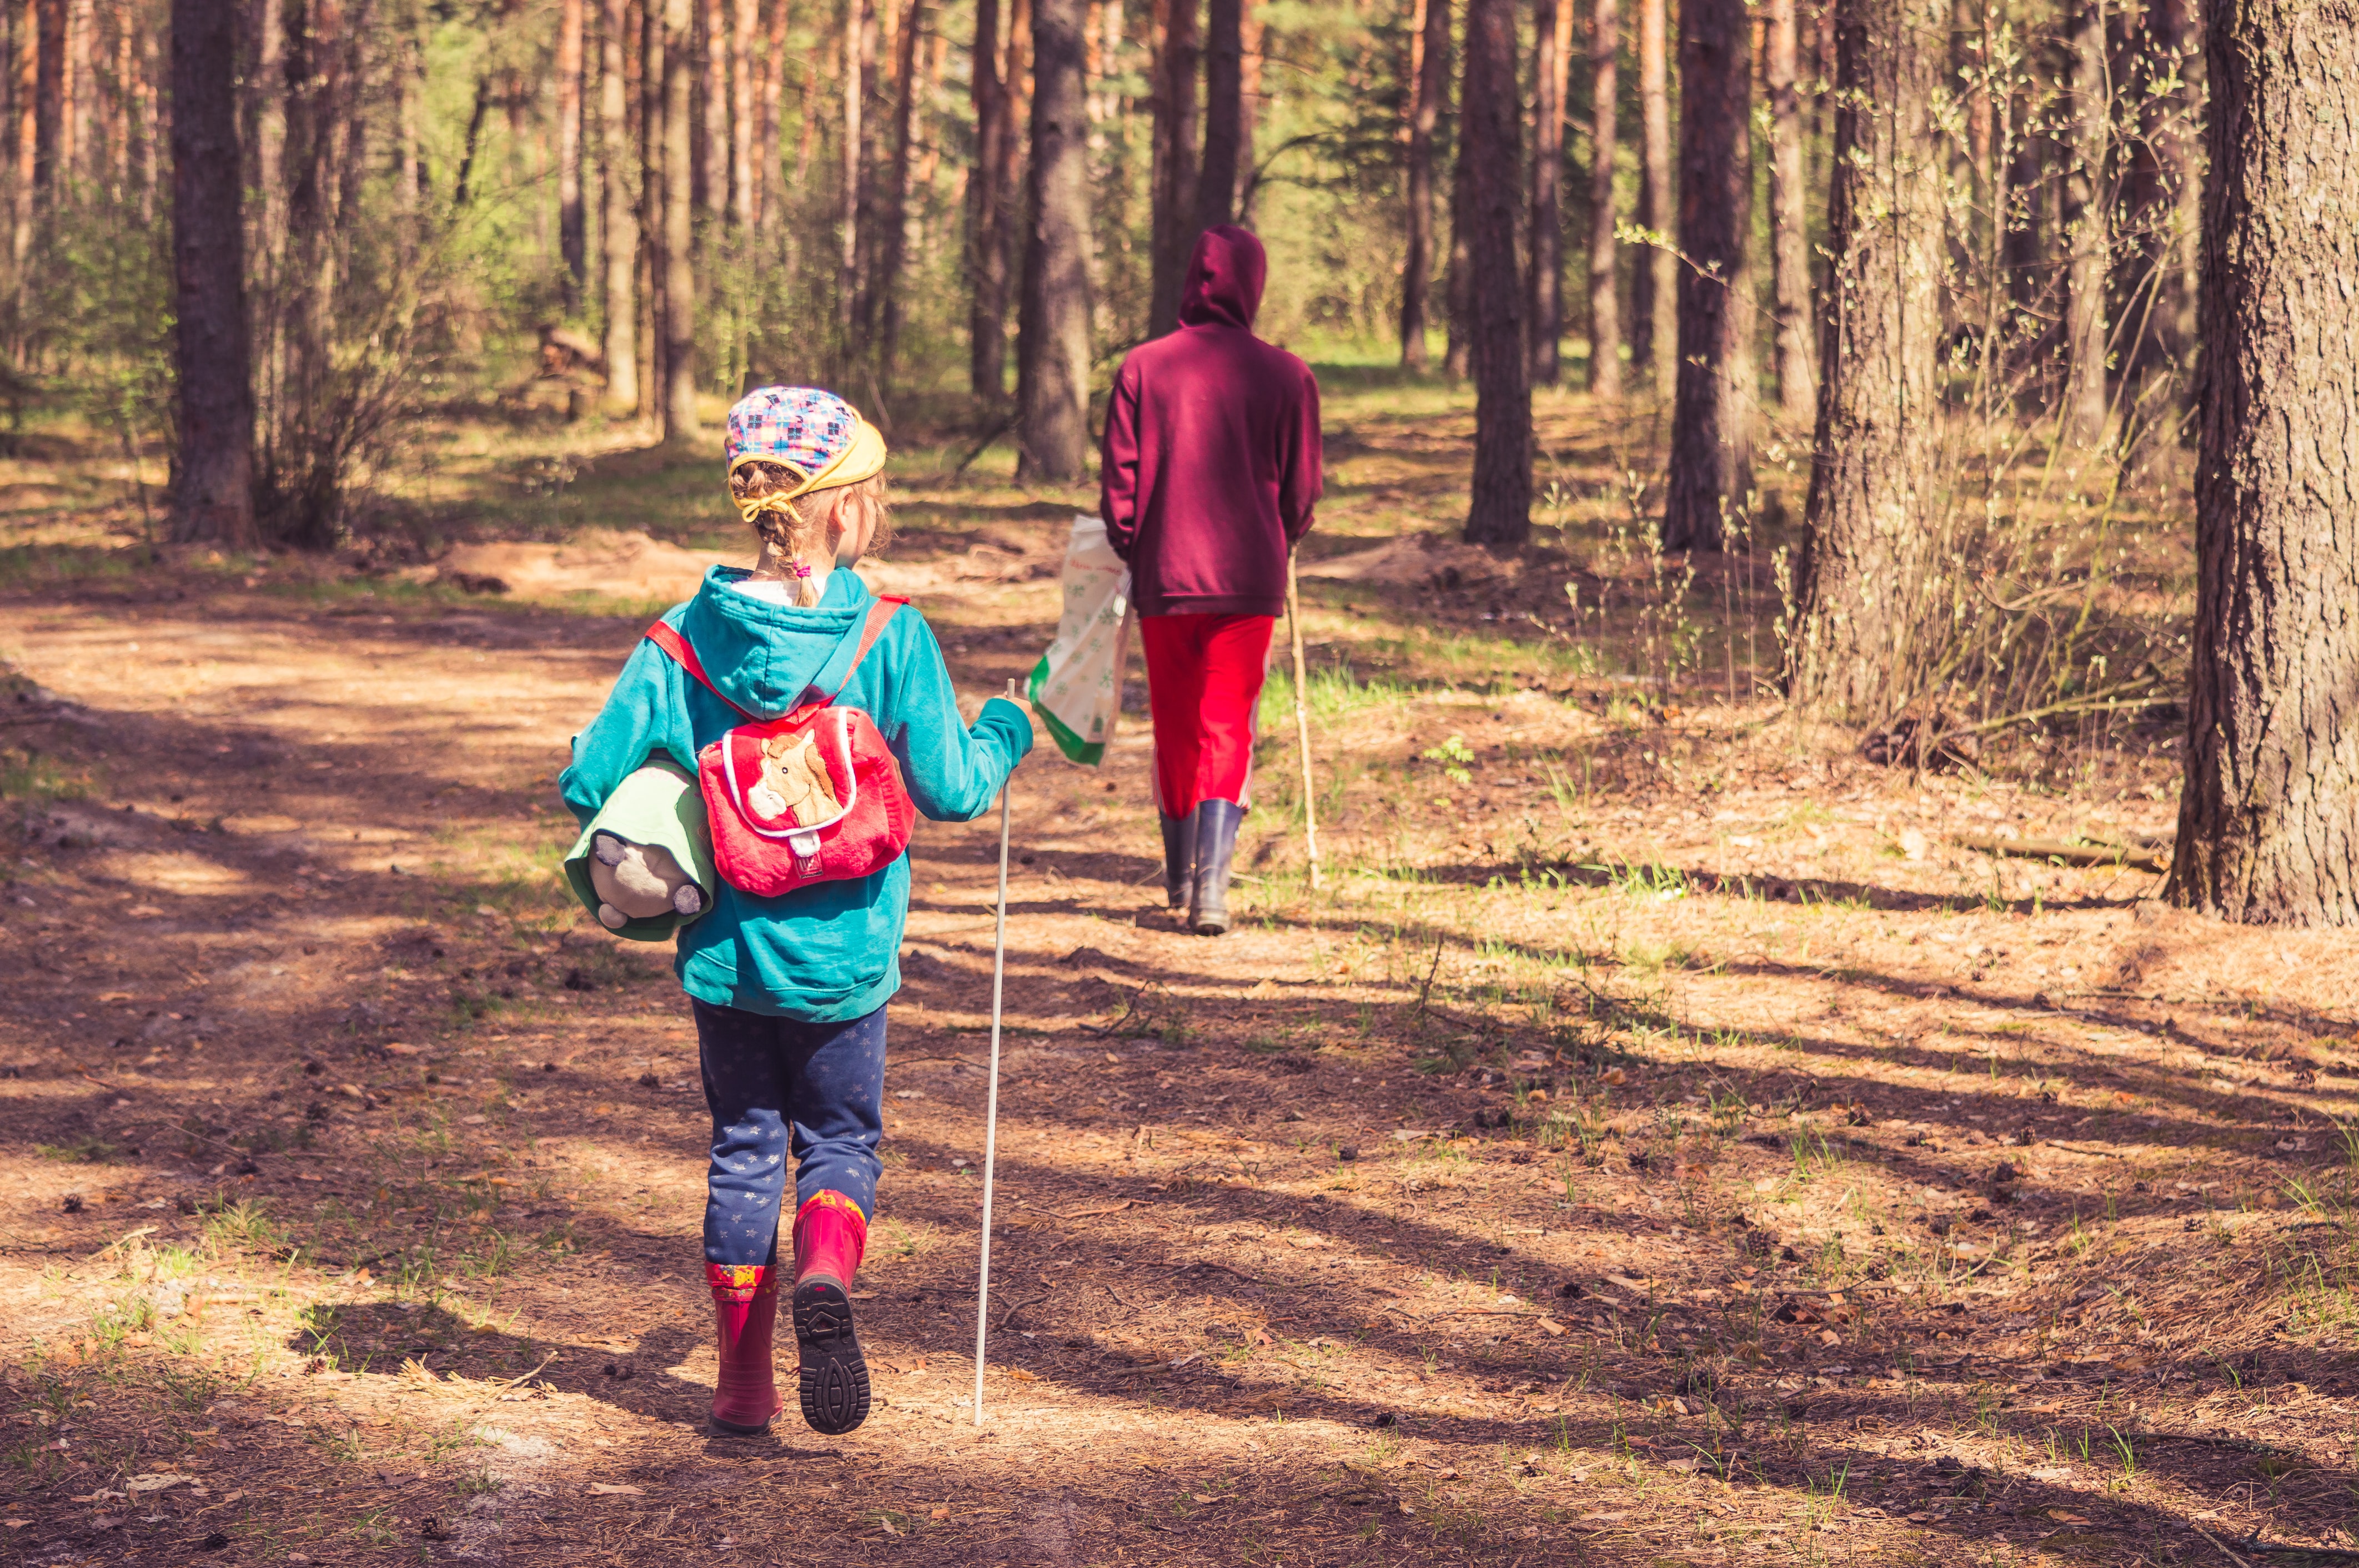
(1077,686)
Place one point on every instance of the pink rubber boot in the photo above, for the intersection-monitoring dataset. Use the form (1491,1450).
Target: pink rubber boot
(830,1234)
(745,1308)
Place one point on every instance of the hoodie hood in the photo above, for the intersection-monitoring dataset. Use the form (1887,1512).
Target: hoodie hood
(765,656)
(1224,279)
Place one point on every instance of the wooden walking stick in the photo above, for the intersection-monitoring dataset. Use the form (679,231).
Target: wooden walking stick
(990,1114)
(1302,724)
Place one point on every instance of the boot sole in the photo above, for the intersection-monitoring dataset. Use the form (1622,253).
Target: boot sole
(834,1373)
(1207,925)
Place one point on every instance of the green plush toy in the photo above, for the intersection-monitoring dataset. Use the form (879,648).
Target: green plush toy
(644,866)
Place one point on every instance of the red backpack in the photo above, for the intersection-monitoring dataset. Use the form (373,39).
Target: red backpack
(811,796)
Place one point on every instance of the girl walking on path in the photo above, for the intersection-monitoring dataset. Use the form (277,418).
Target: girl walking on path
(790,991)
(1209,473)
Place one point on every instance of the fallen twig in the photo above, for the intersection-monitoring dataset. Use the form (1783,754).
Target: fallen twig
(512,1382)
(2144,858)
(2214,1539)
(2254,1543)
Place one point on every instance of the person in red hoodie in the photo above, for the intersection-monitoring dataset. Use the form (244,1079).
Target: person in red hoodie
(1209,474)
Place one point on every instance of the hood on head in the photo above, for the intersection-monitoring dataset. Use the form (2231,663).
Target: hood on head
(1224,279)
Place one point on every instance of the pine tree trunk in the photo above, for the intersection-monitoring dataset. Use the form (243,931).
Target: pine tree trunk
(1499,508)
(80,88)
(1052,371)
(1544,280)
(1654,293)
(1789,241)
(987,258)
(212,498)
(679,278)
(854,193)
(648,84)
(53,97)
(710,106)
(1252,29)
(1458,355)
(28,135)
(408,70)
(619,231)
(771,80)
(893,241)
(572,239)
(1868,577)
(1604,302)
(742,27)
(2268,814)
(2088,229)
(1224,109)
(1010,183)
(1172,196)
(1712,423)
(1428,90)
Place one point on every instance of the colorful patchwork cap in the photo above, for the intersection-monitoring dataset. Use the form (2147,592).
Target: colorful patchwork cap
(807,430)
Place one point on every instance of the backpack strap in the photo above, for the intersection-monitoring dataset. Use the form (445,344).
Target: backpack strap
(684,655)
(880,611)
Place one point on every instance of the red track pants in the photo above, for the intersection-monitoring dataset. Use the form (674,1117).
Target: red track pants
(1203,682)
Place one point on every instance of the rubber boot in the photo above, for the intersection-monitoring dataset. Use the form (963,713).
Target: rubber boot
(1179,859)
(745,1307)
(830,1234)
(1216,846)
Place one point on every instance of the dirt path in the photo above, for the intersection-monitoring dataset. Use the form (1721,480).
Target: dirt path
(1759,1175)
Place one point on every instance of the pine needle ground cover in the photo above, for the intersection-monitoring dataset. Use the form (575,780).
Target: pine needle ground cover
(1669,1138)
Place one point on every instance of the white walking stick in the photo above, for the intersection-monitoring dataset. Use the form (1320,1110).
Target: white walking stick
(990,1114)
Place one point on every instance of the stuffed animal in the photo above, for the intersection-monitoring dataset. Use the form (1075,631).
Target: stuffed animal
(794,778)
(638,881)
(644,863)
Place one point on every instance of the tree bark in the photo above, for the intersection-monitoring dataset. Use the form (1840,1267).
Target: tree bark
(893,241)
(1604,302)
(1052,371)
(28,135)
(1544,281)
(79,88)
(771,85)
(857,13)
(1173,195)
(1012,177)
(2268,814)
(572,240)
(1868,578)
(1458,355)
(986,259)
(1712,410)
(1224,111)
(1654,292)
(53,96)
(1499,508)
(1252,29)
(678,277)
(213,499)
(2088,229)
(619,230)
(1429,91)
(709,106)
(1789,241)
(742,27)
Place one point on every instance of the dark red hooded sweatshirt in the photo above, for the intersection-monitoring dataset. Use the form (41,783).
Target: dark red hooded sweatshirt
(1211,463)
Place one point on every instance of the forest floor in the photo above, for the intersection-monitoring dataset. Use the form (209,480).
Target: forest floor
(1662,1141)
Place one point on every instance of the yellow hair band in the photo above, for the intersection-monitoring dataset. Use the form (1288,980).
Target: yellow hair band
(862,458)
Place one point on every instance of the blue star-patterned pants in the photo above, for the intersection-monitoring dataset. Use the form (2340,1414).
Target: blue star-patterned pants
(781,1087)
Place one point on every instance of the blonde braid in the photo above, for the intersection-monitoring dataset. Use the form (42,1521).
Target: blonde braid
(796,526)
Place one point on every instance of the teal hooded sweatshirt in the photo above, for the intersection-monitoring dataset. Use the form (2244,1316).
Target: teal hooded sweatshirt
(830,952)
